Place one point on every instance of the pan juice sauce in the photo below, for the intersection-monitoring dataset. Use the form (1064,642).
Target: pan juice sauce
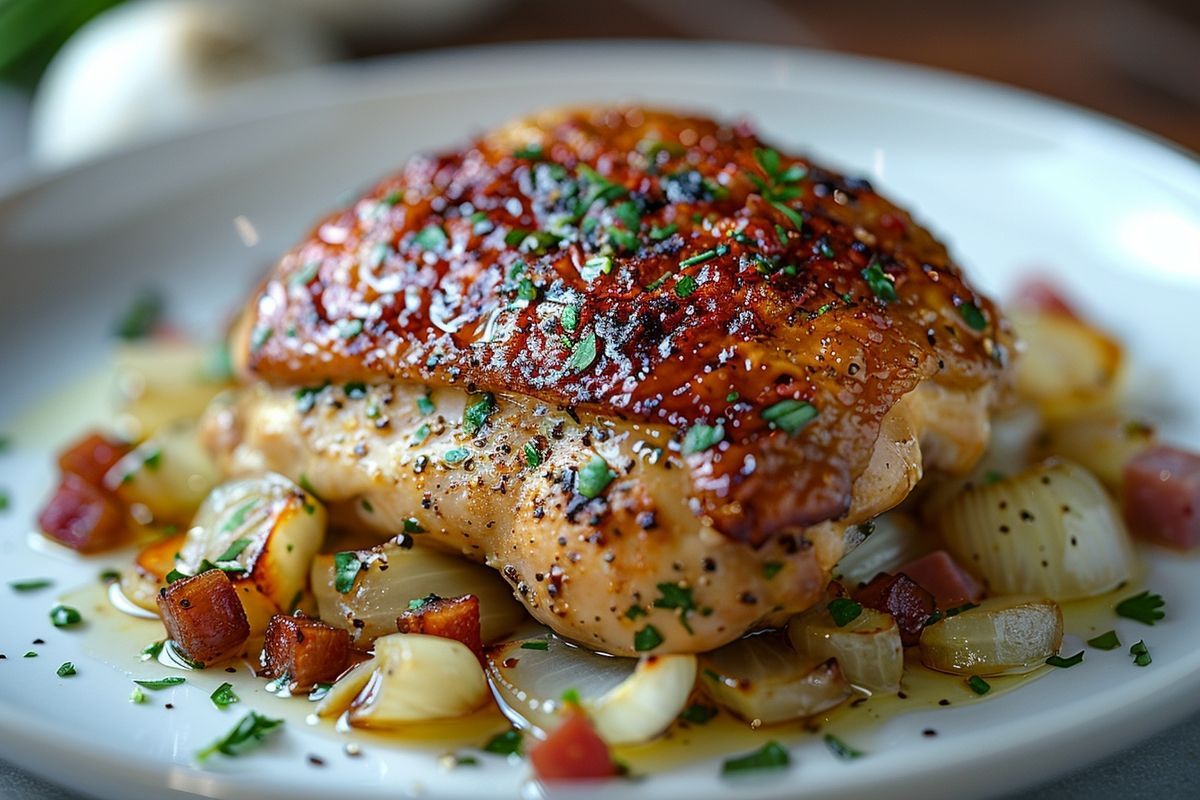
(118,632)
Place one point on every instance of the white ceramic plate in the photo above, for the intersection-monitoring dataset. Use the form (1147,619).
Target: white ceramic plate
(1014,183)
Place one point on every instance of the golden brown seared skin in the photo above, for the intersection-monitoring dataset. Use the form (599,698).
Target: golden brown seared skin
(642,265)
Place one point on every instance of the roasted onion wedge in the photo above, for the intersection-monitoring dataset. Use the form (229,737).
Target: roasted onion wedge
(1002,636)
(763,680)
(1066,366)
(867,648)
(629,700)
(169,475)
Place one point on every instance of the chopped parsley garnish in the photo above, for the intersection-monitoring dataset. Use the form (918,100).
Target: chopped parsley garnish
(1105,641)
(647,638)
(31,585)
(593,478)
(65,616)
(504,744)
(701,437)
(234,550)
(707,255)
(152,650)
(420,434)
(881,286)
(355,390)
(594,267)
(972,316)
(635,611)
(843,611)
(526,290)
(349,328)
(1145,608)
(66,670)
(346,566)
(954,612)
(685,287)
(530,152)
(110,576)
(431,237)
(790,415)
(978,685)
(570,318)
(304,275)
(771,569)
(535,644)
(31,654)
(623,239)
(477,413)
(657,234)
(306,397)
(250,731)
(456,455)
(175,575)
(771,755)
(261,335)
(533,456)
(793,216)
(1065,663)
(224,696)
(161,683)
(142,316)
(421,602)
(1141,654)
(531,241)
(674,596)
(841,749)
(137,695)
(733,397)
(583,353)
(698,714)
(412,526)
(425,405)
(571,697)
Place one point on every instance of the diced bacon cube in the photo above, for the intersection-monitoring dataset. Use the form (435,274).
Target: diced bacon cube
(305,650)
(573,751)
(82,517)
(1161,496)
(204,616)
(450,618)
(909,604)
(940,575)
(91,457)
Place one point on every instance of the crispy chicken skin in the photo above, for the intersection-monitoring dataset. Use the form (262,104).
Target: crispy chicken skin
(759,349)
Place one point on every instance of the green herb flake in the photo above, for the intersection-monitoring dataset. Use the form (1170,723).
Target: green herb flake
(570,318)
(707,255)
(476,414)
(1065,663)
(224,696)
(319,692)
(411,525)
(535,644)
(701,437)
(504,744)
(250,731)
(306,273)
(790,415)
(533,456)
(30,585)
(162,683)
(110,576)
(175,575)
(677,597)
(530,152)
(152,650)
(65,616)
(840,749)
(793,216)
(141,318)
(346,566)
(420,434)
(1105,641)
(771,755)
(1141,654)
(261,335)
(954,612)
(234,550)
(1145,608)
(583,353)
(349,328)
(771,569)
(978,685)
(698,714)
(657,234)
(972,316)
(66,670)
(137,696)
(425,406)
(685,287)
(593,478)
(635,611)
(571,697)
(456,455)
(431,237)
(647,638)
(881,286)
(30,654)
(844,611)
(421,602)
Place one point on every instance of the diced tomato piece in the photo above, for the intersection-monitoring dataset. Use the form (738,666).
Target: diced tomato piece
(940,575)
(306,650)
(91,457)
(572,752)
(909,604)
(204,616)
(1036,294)
(451,618)
(1161,496)
(82,517)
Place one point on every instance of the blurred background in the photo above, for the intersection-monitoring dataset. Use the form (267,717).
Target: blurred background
(81,77)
